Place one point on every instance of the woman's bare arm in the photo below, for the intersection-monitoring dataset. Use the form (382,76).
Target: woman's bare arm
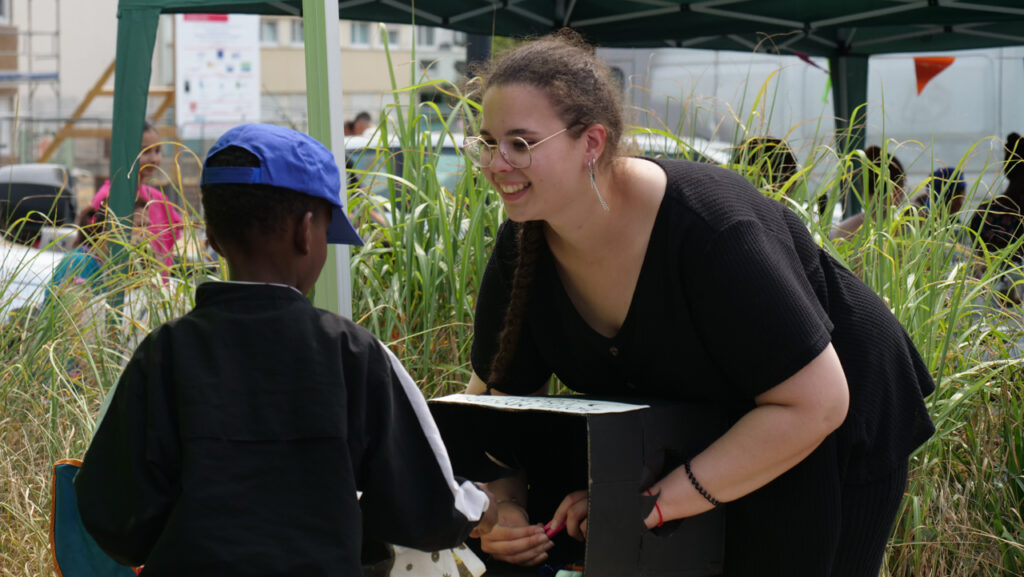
(789,422)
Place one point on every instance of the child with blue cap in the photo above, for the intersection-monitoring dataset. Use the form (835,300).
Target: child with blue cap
(947,187)
(239,435)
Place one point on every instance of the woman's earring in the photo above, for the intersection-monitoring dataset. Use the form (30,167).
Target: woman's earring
(591,164)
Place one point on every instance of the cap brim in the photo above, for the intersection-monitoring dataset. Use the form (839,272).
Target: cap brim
(341,230)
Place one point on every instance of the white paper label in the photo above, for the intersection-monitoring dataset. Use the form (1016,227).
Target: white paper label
(573,405)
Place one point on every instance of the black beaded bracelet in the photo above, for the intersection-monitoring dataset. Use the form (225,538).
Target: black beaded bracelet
(703,492)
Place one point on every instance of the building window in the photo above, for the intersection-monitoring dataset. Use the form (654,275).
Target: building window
(298,33)
(426,36)
(5,11)
(394,38)
(268,31)
(360,32)
(8,126)
(459,38)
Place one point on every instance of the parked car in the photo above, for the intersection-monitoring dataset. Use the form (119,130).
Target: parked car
(379,164)
(34,197)
(367,153)
(24,274)
(688,148)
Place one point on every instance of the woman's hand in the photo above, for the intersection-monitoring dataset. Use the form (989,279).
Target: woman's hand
(572,514)
(513,539)
(655,517)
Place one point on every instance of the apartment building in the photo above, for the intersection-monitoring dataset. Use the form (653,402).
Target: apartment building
(366,48)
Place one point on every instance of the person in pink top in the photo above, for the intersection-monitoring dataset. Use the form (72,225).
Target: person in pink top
(164,220)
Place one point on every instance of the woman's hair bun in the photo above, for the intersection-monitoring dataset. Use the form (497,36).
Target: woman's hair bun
(573,38)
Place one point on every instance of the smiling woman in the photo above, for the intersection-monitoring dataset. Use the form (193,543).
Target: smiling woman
(630,277)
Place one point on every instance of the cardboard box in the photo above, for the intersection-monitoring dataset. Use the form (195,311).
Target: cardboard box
(615,450)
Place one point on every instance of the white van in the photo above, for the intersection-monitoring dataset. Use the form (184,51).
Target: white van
(716,95)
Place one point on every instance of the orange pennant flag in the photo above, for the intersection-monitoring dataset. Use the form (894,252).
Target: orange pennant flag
(928,67)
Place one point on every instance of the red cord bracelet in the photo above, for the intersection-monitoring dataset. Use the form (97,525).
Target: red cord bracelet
(657,507)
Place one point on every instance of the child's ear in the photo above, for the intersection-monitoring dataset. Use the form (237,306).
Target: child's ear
(304,234)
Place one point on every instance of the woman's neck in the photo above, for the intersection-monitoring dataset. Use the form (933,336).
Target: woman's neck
(633,189)
(584,226)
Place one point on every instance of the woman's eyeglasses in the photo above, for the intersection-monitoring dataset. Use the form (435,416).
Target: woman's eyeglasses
(514,149)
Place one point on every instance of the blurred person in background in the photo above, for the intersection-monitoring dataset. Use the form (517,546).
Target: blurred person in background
(164,221)
(998,224)
(770,158)
(884,181)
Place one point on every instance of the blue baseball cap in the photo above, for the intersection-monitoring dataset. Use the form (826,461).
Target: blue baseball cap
(946,183)
(288,159)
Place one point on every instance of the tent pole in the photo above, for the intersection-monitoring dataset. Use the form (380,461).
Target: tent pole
(333,290)
(136,36)
(849,93)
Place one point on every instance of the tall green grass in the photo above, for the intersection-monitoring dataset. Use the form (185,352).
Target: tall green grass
(56,364)
(415,284)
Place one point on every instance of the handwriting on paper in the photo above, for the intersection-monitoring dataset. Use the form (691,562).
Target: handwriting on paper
(574,405)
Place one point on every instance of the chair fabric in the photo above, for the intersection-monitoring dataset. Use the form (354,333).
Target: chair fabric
(75,553)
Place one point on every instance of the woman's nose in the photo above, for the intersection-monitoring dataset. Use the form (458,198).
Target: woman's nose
(501,163)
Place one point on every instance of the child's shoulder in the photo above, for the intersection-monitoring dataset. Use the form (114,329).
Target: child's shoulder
(345,329)
(327,329)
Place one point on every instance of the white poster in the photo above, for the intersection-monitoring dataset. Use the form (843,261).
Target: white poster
(217,73)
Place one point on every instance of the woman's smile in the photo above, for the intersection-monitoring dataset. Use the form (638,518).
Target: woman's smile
(512,191)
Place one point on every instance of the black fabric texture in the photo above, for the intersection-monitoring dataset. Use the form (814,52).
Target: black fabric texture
(809,522)
(734,296)
(239,434)
(869,512)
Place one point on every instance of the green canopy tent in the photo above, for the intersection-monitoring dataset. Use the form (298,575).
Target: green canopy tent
(846,32)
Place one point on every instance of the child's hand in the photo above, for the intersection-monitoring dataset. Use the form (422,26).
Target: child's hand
(489,518)
(514,540)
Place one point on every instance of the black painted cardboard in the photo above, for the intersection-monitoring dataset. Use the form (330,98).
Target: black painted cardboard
(615,450)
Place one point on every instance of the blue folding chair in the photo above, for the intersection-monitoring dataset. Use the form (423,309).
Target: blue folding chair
(75,553)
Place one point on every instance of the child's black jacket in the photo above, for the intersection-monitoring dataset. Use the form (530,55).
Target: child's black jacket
(239,434)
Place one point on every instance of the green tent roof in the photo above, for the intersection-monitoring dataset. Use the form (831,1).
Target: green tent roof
(816,27)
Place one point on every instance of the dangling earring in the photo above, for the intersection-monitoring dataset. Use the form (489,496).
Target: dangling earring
(593,183)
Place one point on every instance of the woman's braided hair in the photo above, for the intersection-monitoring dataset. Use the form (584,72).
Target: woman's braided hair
(530,237)
(582,92)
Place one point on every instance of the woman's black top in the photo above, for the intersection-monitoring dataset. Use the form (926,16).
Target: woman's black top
(734,296)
